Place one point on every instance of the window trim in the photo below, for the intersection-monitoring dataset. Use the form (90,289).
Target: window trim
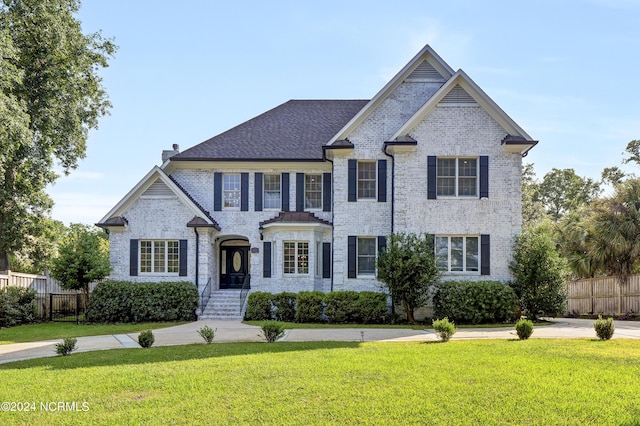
(457,177)
(228,191)
(358,256)
(152,257)
(320,178)
(464,254)
(264,191)
(374,180)
(296,258)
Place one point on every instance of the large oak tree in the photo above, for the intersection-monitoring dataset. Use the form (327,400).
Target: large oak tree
(50,96)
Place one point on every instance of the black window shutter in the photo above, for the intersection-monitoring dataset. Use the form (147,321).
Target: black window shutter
(285,192)
(217,191)
(133,258)
(244,192)
(182,262)
(382,181)
(484,176)
(326,260)
(326,192)
(485,255)
(382,243)
(266,260)
(353,180)
(351,257)
(299,192)
(431,177)
(257,178)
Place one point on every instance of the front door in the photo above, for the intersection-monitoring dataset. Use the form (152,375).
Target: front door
(234,266)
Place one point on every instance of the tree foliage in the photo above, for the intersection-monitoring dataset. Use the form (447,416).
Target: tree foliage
(562,191)
(539,274)
(408,268)
(50,96)
(83,258)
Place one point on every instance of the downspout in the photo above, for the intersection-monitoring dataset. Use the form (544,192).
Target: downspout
(393,184)
(324,155)
(197,256)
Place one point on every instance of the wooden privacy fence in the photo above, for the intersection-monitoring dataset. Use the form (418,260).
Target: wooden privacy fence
(44,285)
(604,296)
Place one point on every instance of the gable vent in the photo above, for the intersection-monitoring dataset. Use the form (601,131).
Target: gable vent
(457,95)
(425,72)
(158,189)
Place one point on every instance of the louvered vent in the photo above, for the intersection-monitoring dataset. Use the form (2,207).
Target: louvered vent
(425,71)
(457,95)
(158,189)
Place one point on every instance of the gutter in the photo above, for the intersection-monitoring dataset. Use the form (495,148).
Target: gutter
(332,215)
(393,183)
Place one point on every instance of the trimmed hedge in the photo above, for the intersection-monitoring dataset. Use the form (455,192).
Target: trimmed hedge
(17,306)
(258,306)
(475,302)
(366,307)
(124,301)
(309,306)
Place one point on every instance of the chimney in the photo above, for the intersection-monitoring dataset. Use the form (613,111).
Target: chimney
(166,154)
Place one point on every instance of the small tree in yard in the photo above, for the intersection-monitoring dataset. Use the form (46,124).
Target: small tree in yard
(83,257)
(408,268)
(539,274)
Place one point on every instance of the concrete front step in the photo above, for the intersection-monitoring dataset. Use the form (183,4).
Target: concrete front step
(223,305)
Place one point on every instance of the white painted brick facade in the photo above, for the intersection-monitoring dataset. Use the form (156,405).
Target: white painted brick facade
(467,131)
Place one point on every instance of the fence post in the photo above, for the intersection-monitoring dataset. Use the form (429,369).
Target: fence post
(50,306)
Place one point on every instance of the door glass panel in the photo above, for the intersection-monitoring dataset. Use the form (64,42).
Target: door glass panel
(237,261)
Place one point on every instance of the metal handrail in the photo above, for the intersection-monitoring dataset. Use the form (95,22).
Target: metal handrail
(205,295)
(246,286)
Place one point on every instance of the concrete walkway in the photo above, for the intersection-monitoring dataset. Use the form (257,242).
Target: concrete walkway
(234,331)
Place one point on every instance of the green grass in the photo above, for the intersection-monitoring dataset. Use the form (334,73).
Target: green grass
(484,382)
(60,330)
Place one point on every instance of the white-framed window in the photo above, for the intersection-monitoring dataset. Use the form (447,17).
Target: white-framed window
(159,256)
(458,253)
(272,191)
(366,258)
(313,191)
(457,177)
(231,191)
(296,257)
(366,180)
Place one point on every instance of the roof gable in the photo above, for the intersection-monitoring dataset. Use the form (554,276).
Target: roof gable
(461,90)
(157,184)
(425,66)
(293,131)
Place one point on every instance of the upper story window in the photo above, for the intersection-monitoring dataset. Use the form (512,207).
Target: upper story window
(231,191)
(366,180)
(159,257)
(272,192)
(296,257)
(458,253)
(313,191)
(457,177)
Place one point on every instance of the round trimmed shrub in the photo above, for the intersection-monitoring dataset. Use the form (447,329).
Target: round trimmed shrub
(524,328)
(604,328)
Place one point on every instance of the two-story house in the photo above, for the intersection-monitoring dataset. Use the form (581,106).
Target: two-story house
(302,197)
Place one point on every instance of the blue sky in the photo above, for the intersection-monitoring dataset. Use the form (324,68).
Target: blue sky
(565,71)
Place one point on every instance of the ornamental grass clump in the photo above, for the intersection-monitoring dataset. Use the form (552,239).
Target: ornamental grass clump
(207,333)
(272,330)
(146,339)
(524,328)
(67,346)
(444,328)
(604,328)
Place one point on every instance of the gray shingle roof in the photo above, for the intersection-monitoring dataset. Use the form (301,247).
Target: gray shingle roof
(295,130)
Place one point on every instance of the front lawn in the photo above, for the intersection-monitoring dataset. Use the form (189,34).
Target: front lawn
(488,382)
(60,330)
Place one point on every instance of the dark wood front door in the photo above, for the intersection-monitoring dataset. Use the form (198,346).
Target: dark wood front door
(234,266)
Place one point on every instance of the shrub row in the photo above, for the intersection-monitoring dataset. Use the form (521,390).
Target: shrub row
(338,307)
(475,302)
(17,306)
(124,301)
